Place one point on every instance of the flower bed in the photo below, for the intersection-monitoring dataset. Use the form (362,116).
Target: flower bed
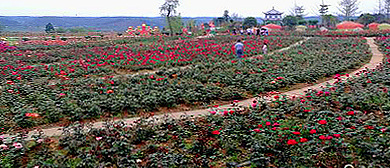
(343,33)
(109,59)
(344,124)
(201,85)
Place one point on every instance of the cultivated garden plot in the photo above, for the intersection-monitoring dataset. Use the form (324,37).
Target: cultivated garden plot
(344,123)
(27,104)
(67,62)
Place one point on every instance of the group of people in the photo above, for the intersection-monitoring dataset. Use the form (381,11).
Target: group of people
(239,47)
(253,31)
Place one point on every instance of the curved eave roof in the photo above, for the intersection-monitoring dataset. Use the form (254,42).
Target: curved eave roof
(273,12)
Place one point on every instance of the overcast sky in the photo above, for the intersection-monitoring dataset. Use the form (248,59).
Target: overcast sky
(150,8)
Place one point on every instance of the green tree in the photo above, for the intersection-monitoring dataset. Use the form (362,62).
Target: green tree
(226,16)
(290,21)
(61,30)
(219,21)
(191,24)
(250,22)
(380,18)
(302,22)
(1,27)
(366,19)
(49,28)
(349,8)
(176,24)
(168,9)
(313,22)
(77,30)
(329,20)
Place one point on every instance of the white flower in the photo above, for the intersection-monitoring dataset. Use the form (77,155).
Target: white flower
(3,146)
(17,145)
(139,160)
(99,138)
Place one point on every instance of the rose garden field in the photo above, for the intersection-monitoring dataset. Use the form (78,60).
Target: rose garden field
(73,84)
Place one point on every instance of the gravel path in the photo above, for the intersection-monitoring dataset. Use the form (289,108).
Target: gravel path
(376,59)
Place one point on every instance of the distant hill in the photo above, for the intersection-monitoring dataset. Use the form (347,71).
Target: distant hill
(118,24)
(26,23)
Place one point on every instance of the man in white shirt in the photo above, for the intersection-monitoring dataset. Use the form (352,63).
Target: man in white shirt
(239,49)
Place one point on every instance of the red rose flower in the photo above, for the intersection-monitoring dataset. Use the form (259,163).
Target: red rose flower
(350,113)
(337,135)
(303,140)
(225,113)
(216,132)
(296,133)
(268,123)
(260,126)
(292,142)
(327,94)
(322,137)
(110,91)
(322,122)
(257,130)
(313,131)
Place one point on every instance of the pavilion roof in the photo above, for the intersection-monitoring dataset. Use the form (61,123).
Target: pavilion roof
(273,12)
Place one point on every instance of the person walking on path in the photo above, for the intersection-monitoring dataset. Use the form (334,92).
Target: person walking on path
(265,49)
(239,49)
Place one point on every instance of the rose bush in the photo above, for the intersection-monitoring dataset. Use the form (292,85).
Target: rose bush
(344,123)
(77,61)
(73,99)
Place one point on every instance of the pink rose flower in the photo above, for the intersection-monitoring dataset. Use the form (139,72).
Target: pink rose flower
(17,145)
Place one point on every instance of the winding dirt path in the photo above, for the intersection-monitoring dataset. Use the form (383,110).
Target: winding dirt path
(376,59)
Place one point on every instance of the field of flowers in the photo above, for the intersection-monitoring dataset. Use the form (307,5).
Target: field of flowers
(107,59)
(74,99)
(344,123)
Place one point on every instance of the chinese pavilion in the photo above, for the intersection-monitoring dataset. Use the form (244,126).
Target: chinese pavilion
(273,15)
